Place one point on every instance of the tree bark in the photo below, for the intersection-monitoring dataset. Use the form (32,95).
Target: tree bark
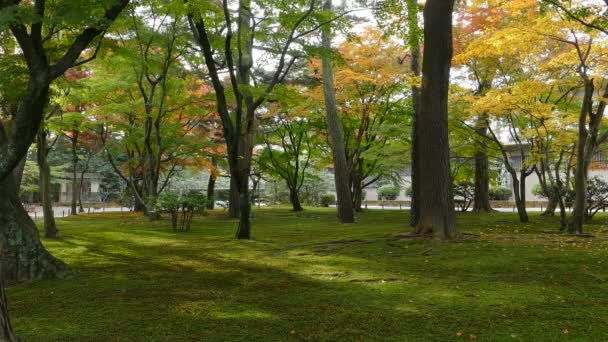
(6,330)
(341,172)
(551,206)
(24,256)
(211,186)
(18,173)
(481,196)
(436,203)
(294,198)
(50,228)
(74,139)
(414,44)
(234,208)
(582,165)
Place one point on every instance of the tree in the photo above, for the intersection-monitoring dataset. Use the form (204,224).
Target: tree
(42,152)
(341,172)
(47,59)
(148,107)
(228,42)
(436,202)
(25,257)
(288,152)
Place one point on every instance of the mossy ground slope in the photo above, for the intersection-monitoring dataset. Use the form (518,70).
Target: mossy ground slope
(305,277)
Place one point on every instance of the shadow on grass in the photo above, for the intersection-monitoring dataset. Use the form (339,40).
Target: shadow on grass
(140,282)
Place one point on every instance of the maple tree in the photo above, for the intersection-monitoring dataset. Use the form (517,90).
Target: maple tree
(370,80)
(147,112)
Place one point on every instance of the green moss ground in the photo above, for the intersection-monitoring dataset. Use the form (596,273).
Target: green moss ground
(139,281)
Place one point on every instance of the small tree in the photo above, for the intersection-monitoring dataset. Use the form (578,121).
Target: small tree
(464,191)
(327,200)
(597,196)
(388,192)
(182,208)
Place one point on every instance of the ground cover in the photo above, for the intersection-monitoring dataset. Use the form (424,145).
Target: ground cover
(304,277)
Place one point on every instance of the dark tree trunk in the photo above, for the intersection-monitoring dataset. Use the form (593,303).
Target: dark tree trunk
(138,206)
(481,197)
(24,257)
(50,228)
(580,173)
(294,198)
(341,171)
(211,186)
(244,230)
(6,330)
(18,173)
(436,202)
(357,197)
(414,45)
(75,187)
(519,194)
(234,208)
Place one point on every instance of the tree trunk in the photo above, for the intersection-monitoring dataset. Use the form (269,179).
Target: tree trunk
(357,197)
(520,197)
(50,228)
(24,257)
(551,206)
(294,198)
(18,173)
(580,174)
(211,186)
(414,45)
(436,202)
(481,198)
(74,174)
(341,172)
(234,208)
(6,330)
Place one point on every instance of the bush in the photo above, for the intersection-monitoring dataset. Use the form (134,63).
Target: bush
(500,193)
(185,206)
(463,194)
(327,200)
(388,192)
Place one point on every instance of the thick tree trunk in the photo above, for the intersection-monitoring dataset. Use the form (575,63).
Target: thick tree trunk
(24,257)
(341,172)
(436,202)
(551,207)
(481,198)
(6,330)
(414,44)
(50,228)
(18,173)
(357,197)
(234,208)
(294,198)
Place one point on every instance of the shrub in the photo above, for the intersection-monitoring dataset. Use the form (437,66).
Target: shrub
(597,196)
(463,194)
(182,208)
(500,193)
(327,200)
(388,192)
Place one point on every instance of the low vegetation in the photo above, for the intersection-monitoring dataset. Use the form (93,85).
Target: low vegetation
(304,277)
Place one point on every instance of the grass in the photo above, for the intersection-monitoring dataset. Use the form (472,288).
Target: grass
(304,277)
